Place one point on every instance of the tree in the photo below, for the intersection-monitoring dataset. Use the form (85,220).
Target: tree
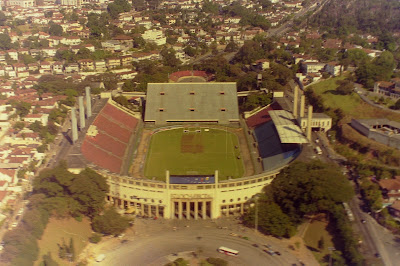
(3,18)
(22,108)
(210,7)
(307,188)
(169,57)
(397,105)
(48,14)
(55,29)
(345,87)
(19,125)
(117,7)
(5,41)
(217,262)
(271,219)
(321,243)
(231,47)
(110,223)
(48,260)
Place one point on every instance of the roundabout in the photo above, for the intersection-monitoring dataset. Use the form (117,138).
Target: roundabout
(157,243)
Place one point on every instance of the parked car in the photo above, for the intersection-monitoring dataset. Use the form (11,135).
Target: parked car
(270,252)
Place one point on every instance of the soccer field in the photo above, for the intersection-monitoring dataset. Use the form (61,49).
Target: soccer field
(194,153)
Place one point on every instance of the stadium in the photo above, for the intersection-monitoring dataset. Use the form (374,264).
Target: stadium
(190,155)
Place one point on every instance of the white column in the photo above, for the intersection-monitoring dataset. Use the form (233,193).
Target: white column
(203,209)
(188,210)
(196,210)
(180,209)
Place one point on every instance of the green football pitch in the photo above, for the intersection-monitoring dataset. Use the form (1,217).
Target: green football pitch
(194,153)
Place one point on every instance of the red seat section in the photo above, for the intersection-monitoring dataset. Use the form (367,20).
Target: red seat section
(120,116)
(109,144)
(262,117)
(108,147)
(100,157)
(111,128)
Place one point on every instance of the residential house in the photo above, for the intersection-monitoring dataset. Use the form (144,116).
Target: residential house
(86,64)
(32,118)
(45,67)
(394,209)
(32,67)
(311,67)
(71,40)
(100,65)
(58,67)
(333,68)
(391,89)
(72,68)
(111,45)
(113,62)
(155,36)
(13,54)
(126,60)
(19,67)
(390,189)
(260,65)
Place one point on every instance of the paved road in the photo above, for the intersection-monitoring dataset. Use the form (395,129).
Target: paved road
(156,243)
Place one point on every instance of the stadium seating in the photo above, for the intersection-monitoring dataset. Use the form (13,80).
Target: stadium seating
(262,117)
(112,128)
(187,73)
(120,116)
(107,148)
(108,143)
(100,157)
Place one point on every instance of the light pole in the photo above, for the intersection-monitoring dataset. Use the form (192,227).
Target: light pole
(330,255)
(256,213)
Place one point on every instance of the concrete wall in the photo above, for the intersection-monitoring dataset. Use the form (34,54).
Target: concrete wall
(228,192)
(360,127)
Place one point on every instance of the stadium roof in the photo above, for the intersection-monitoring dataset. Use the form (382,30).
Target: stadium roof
(288,131)
(192,102)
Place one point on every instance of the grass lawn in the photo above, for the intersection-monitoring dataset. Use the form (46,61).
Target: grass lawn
(315,231)
(193,153)
(352,105)
(66,229)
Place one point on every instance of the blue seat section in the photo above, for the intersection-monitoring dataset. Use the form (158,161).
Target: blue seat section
(192,179)
(273,153)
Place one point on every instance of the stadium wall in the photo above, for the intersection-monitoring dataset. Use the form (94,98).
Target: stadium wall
(185,201)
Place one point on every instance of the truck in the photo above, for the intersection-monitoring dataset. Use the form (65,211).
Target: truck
(318,150)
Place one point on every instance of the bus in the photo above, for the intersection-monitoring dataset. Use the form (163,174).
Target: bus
(228,251)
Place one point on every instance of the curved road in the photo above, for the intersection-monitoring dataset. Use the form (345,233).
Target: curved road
(164,245)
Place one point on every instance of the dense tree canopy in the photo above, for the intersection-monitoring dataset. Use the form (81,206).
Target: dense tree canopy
(300,189)
(306,188)
(110,223)
(79,194)
(55,29)
(117,7)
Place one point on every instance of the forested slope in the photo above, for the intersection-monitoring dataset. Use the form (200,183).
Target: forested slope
(373,16)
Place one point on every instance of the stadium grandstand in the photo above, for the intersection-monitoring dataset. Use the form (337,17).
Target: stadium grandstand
(171,103)
(107,139)
(187,75)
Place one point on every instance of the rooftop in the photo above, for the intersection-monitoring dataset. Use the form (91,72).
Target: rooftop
(288,131)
